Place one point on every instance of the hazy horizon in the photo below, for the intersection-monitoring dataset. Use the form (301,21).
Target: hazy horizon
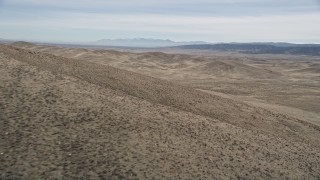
(115,39)
(182,20)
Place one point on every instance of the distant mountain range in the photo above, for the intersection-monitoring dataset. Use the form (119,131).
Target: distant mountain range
(260,48)
(143,42)
(248,48)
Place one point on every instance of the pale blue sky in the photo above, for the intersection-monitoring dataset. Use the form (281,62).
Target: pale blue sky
(295,21)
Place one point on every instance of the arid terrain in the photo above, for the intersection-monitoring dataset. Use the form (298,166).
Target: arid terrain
(70,113)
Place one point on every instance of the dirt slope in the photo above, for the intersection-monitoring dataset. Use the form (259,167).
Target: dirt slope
(69,118)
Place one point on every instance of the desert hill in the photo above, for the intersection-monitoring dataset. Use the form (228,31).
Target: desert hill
(177,64)
(262,77)
(22,44)
(270,78)
(77,117)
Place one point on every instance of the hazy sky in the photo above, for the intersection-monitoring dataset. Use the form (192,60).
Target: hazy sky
(180,20)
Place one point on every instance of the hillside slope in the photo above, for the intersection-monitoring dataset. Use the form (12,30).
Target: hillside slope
(69,118)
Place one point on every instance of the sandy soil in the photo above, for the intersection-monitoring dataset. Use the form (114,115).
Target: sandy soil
(68,118)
